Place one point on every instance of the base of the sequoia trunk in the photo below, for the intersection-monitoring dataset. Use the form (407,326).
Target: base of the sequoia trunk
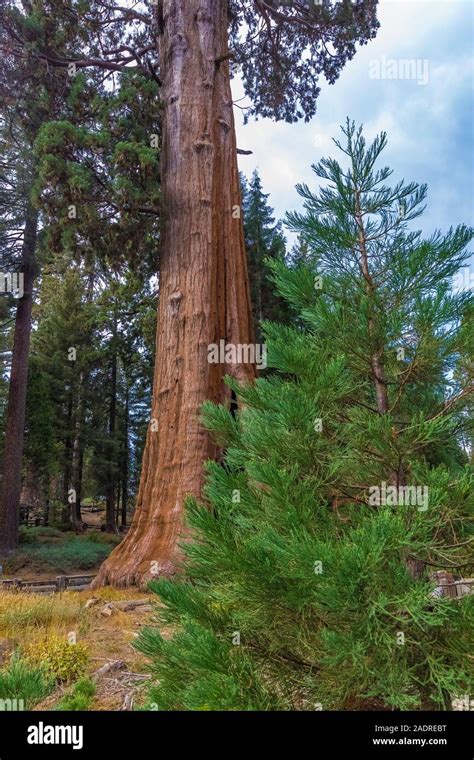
(140,575)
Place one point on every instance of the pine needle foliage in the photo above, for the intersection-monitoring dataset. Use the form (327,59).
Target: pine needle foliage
(299,591)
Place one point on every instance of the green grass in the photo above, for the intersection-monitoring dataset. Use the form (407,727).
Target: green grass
(22,682)
(58,552)
(38,534)
(80,696)
(74,553)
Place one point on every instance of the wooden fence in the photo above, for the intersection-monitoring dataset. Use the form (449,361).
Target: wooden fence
(449,586)
(60,583)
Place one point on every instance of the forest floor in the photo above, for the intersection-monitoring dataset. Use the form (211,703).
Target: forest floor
(45,552)
(102,621)
(100,624)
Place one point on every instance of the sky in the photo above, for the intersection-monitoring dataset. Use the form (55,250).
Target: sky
(428,118)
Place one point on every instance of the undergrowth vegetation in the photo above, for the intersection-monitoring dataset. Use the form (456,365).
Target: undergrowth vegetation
(79,697)
(51,645)
(46,549)
(25,684)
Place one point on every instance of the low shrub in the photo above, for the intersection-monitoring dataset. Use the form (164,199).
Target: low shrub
(80,697)
(101,537)
(27,535)
(23,683)
(40,533)
(59,658)
(75,552)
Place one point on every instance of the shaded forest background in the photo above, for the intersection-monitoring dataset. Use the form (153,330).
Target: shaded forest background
(91,363)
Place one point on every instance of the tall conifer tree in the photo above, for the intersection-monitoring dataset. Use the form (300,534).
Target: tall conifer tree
(310,583)
(263,239)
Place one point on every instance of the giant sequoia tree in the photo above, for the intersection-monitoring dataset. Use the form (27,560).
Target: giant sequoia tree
(204,292)
(188,46)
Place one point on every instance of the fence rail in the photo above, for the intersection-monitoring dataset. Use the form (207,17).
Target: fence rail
(60,583)
(449,586)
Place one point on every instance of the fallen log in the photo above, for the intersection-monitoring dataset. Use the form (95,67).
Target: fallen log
(108,667)
(127,606)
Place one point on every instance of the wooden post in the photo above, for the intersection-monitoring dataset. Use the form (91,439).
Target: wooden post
(446,581)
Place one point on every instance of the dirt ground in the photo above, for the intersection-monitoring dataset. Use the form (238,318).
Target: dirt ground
(109,640)
(118,670)
(100,622)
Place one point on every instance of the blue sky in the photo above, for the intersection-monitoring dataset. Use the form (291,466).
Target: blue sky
(429,126)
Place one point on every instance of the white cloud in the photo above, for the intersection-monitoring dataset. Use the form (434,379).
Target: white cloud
(428,126)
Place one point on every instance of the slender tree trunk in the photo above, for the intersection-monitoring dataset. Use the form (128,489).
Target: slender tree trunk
(204,293)
(396,476)
(378,370)
(111,494)
(16,408)
(79,480)
(77,455)
(69,510)
(123,520)
(46,510)
(117,499)
(125,459)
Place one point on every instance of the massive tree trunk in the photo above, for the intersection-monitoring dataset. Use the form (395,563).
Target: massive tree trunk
(16,409)
(204,293)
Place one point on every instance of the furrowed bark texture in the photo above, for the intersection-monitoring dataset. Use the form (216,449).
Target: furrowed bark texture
(16,409)
(204,292)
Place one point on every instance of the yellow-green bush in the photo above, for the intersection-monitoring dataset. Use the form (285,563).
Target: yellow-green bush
(58,657)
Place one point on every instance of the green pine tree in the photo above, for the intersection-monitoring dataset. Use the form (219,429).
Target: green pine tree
(264,240)
(302,590)
(300,252)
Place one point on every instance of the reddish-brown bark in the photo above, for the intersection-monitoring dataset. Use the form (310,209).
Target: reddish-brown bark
(16,408)
(204,292)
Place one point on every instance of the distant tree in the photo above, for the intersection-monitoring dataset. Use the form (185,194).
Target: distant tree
(41,456)
(63,353)
(98,186)
(263,239)
(300,253)
(28,96)
(91,363)
(98,176)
